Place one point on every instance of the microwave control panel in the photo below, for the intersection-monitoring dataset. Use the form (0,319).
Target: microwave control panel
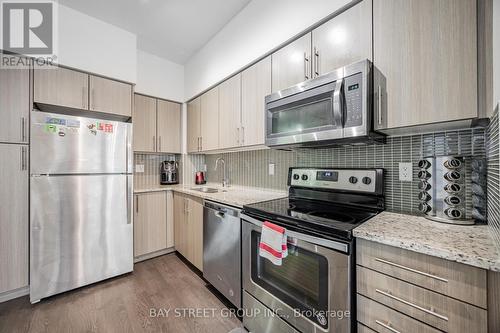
(353,88)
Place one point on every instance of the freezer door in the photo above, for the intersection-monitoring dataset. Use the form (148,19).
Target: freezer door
(81,231)
(62,144)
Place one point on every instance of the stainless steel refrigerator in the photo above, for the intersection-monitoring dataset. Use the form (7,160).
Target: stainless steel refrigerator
(80,202)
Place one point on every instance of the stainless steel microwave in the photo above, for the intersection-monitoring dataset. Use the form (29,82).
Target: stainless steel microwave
(335,108)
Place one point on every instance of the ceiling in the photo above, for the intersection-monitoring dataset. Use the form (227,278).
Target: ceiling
(171,29)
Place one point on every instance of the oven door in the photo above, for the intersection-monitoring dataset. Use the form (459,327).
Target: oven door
(311,290)
(306,113)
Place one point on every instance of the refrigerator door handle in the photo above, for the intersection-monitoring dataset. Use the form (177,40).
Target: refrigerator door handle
(130,199)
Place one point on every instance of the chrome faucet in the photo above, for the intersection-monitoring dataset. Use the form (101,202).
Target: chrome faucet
(225,181)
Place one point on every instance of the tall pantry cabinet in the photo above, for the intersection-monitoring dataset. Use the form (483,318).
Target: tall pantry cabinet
(14,152)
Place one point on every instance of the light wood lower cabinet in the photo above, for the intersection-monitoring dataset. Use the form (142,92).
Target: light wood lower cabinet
(110,96)
(14,220)
(188,219)
(14,105)
(150,223)
(404,291)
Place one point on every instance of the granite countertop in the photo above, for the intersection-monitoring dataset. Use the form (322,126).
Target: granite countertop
(233,195)
(471,245)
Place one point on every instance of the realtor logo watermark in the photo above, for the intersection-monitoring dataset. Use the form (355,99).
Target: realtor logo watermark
(29,28)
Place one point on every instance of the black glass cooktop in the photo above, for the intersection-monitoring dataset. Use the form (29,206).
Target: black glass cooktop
(320,217)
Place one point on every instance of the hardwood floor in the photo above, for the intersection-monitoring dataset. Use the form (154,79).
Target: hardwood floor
(124,304)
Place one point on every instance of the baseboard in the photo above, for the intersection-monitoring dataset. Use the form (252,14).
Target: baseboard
(8,295)
(153,254)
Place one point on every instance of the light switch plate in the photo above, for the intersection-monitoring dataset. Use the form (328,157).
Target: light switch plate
(405,172)
(271,169)
(139,168)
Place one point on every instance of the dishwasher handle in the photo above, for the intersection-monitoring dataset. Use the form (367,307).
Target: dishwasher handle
(222,211)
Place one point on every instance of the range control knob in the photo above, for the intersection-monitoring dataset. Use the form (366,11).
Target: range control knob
(366,180)
(353,180)
(304,177)
(296,176)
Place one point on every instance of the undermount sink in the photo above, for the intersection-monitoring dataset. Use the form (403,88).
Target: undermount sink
(207,189)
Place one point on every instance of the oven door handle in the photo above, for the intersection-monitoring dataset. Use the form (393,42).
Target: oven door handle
(342,247)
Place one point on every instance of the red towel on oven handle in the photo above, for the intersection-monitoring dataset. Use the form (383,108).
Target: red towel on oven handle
(273,243)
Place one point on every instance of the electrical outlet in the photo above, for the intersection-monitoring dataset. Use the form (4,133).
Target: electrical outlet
(405,172)
(139,168)
(271,169)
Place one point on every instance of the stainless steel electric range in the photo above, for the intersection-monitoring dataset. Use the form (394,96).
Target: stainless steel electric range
(313,289)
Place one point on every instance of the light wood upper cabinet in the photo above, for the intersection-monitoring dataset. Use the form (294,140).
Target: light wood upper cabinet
(194,125)
(230,112)
(14,220)
(188,217)
(14,105)
(343,40)
(61,86)
(292,63)
(426,53)
(168,120)
(255,86)
(210,120)
(144,119)
(110,96)
(150,223)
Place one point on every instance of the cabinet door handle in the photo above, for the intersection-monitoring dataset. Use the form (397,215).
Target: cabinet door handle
(159,143)
(137,204)
(387,326)
(93,99)
(154,143)
(23,129)
(201,143)
(387,262)
(306,61)
(23,158)
(379,102)
(83,97)
(238,136)
(316,61)
(242,135)
(435,314)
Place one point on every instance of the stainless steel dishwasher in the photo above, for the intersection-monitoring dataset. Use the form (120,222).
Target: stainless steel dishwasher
(222,249)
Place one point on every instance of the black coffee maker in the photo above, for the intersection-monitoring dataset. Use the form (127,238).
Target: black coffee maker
(169,173)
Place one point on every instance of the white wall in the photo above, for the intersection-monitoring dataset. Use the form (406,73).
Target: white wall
(92,45)
(159,77)
(261,26)
(496,52)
